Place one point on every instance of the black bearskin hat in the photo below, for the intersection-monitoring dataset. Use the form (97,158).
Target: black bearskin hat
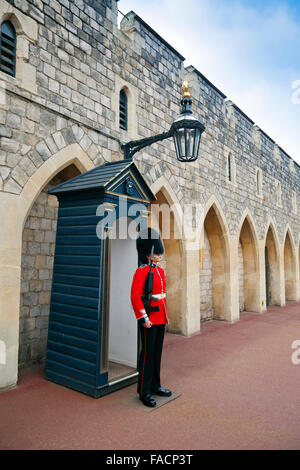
(146,239)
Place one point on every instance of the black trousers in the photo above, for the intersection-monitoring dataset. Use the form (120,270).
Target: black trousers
(150,358)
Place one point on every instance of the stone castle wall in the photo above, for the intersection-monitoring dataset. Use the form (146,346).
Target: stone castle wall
(78,60)
(78,55)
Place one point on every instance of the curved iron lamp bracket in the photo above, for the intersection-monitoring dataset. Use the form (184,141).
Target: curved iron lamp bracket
(130,148)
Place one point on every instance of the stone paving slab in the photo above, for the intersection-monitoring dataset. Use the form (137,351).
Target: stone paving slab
(135,402)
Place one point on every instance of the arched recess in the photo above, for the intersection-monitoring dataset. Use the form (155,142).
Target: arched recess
(215,264)
(290,275)
(163,217)
(272,266)
(38,245)
(251,274)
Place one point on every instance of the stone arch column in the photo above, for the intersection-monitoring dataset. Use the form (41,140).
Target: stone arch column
(14,210)
(253,267)
(290,267)
(272,267)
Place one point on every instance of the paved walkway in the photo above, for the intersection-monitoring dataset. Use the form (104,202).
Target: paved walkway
(238,386)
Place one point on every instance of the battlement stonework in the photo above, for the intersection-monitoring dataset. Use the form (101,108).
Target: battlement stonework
(59,117)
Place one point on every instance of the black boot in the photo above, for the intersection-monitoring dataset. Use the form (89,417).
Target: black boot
(148,400)
(162,392)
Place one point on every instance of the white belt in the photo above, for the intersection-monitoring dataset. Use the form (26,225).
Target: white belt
(158,296)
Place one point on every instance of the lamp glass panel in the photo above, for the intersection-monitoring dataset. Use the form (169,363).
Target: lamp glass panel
(180,140)
(197,135)
(187,142)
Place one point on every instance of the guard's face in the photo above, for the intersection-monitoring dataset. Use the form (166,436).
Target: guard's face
(156,258)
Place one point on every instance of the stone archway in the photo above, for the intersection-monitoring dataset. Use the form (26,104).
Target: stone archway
(272,267)
(13,222)
(164,220)
(183,297)
(251,274)
(214,274)
(38,245)
(290,275)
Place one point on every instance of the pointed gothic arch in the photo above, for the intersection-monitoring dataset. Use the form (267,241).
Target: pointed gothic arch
(215,261)
(39,216)
(250,254)
(16,21)
(11,240)
(290,275)
(272,265)
(166,216)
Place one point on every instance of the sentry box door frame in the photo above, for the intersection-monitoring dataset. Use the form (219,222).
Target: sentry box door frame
(119,332)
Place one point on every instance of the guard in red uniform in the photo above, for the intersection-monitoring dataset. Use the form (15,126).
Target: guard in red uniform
(152,327)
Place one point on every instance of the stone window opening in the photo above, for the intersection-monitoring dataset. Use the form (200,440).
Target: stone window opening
(230,168)
(123,110)
(259,182)
(8,47)
(294,203)
(17,32)
(124,106)
(229,171)
(278,194)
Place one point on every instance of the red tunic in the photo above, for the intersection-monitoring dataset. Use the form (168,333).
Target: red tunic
(159,287)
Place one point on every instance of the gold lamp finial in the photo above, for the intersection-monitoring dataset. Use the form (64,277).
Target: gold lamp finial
(186,90)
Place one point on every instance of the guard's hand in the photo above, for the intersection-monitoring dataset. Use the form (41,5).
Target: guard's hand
(147,324)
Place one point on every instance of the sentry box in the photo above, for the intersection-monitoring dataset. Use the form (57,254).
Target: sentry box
(92,339)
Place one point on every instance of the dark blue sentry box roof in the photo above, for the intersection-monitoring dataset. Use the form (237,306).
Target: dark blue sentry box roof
(104,178)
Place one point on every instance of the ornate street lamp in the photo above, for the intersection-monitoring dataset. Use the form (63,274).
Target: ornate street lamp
(186,131)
